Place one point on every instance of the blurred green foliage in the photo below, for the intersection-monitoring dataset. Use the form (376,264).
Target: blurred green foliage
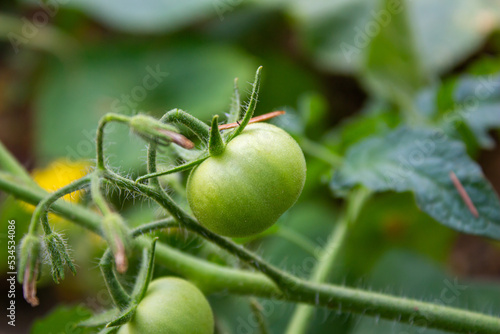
(343,70)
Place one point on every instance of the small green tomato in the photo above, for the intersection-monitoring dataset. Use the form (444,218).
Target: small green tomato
(244,190)
(171,306)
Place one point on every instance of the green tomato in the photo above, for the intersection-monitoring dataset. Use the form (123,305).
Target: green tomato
(250,185)
(171,306)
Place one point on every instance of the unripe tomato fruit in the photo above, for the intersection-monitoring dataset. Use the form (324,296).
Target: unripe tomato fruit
(250,185)
(171,306)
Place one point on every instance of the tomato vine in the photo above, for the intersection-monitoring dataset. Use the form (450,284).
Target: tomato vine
(266,281)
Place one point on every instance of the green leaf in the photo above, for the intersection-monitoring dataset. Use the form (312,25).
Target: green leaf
(63,319)
(465,107)
(478,99)
(446,32)
(313,108)
(148,15)
(420,161)
(449,31)
(333,31)
(392,68)
(358,127)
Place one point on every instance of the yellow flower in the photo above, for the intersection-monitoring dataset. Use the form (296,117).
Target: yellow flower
(60,173)
(56,175)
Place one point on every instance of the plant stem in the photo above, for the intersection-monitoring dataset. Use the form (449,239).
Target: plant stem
(297,239)
(329,257)
(41,210)
(212,278)
(11,165)
(97,197)
(100,135)
(200,129)
(259,317)
(120,297)
(153,182)
(155,225)
(163,199)
(145,273)
(320,152)
(176,169)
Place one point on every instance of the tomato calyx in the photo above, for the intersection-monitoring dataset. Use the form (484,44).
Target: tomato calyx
(216,145)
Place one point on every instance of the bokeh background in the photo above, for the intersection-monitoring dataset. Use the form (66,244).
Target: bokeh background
(342,69)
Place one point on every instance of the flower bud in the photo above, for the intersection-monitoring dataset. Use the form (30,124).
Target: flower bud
(58,255)
(117,235)
(29,267)
(152,129)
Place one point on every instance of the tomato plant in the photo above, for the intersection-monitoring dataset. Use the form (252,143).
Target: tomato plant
(244,175)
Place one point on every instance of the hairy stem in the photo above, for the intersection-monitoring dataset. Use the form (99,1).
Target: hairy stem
(145,273)
(296,238)
(259,317)
(41,210)
(194,124)
(164,200)
(100,135)
(11,165)
(120,297)
(151,166)
(97,197)
(176,169)
(210,276)
(214,278)
(153,226)
(329,257)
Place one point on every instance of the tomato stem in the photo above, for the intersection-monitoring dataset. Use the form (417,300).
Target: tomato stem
(329,256)
(259,316)
(118,294)
(200,129)
(145,272)
(114,228)
(176,169)
(100,135)
(213,277)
